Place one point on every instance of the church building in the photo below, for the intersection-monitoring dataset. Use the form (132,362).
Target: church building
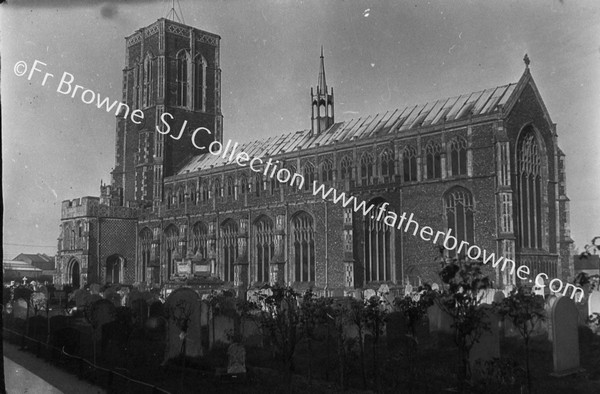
(485,164)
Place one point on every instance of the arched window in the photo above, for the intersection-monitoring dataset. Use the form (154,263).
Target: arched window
(529,166)
(230,188)
(169,199)
(199,82)
(181,195)
(366,167)
(303,247)
(229,234)
(243,185)
(346,168)
(205,190)
(458,206)
(275,185)
(264,245)
(433,156)
(379,247)
(218,189)
(309,176)
(458,156)
(171,240)
(387,164)
(200,239)
(145,253)
(258,184)
(193,194)
(148,80)
(182,80)
(327,171)
(409,161)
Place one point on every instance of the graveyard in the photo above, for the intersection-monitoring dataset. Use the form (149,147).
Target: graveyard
(457,336)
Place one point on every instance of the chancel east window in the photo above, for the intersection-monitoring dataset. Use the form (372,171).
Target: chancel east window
(458,206)
(530,195)
(379,247)
(303,247)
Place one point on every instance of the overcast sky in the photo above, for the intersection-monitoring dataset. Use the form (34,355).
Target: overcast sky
(379,55)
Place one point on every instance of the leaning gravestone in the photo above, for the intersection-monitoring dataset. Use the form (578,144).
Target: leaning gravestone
(237,359)
(183,312)
(565,336)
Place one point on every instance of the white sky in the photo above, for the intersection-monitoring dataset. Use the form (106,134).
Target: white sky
(379,55)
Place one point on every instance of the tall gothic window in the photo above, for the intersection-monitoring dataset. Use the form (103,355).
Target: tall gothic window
(530,190)
(433,156)
(458,156)
(309,176)
(137,83)
(243,185)
(366,167)
(409,162)
(148,80)
(346,168)
(303,247)
(182,80)
(199,82)
(218,189)
(171,240)
(205,191)
(229,233)
(378,248)
(230,188)
(387,164)
(145,253)
(200,239)
(264,246)
(458,206)
(258,184)
(327,171)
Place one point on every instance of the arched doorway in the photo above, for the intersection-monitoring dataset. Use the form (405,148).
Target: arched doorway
(75,274)
(114,269)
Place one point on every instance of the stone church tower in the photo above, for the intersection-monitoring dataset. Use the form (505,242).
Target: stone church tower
(172,74)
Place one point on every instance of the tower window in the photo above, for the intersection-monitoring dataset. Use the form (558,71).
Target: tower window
(148,80)
(199,82)
(182,78)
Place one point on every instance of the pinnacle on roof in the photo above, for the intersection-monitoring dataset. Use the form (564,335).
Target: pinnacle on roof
(322,84)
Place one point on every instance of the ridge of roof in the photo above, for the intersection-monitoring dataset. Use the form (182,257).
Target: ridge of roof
(442,111)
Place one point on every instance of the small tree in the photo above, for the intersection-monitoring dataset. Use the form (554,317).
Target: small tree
(375,317)
(461,301)
(525,310)
(280,320)
(356,314)
(313,314)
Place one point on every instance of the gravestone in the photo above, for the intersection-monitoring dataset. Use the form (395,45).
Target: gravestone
(439,321)
(547,324)
(237,359)
(183,309)
(368,293)
(488,346)
(594,302)
(102,312)
(20,309)
(565,337)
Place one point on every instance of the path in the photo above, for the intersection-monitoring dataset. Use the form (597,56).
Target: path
(24,373)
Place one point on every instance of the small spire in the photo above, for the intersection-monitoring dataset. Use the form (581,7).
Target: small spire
(526,61)
(322,84)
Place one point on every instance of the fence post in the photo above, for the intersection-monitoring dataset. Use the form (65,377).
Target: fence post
(110,381)
(80,360)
